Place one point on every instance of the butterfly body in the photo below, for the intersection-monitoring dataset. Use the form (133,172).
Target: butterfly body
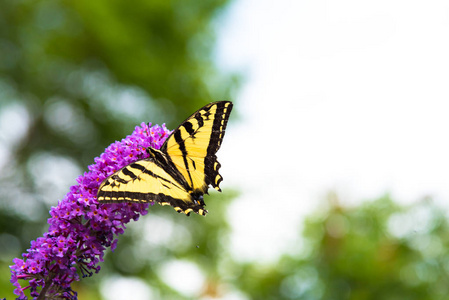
(181,171)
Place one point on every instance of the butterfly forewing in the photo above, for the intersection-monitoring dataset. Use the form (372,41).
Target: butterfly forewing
(193,145)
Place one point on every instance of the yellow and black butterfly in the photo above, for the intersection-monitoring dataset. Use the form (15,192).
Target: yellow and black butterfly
(181,171)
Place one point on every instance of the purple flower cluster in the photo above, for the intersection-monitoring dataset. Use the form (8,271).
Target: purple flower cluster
(80,228)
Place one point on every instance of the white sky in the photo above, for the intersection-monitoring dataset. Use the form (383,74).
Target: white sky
(350,96)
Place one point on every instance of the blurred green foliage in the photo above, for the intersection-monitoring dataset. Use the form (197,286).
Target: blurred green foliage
(378,250)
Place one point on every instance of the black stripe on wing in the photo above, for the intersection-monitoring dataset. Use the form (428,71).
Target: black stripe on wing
(196,206)
(218,131)
(182,146)
(164,162)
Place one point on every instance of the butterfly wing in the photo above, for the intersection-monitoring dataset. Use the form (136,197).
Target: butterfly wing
(192,146)
(145,181)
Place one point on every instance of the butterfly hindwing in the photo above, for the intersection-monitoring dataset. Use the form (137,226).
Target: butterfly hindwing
(145,181)
(180,172)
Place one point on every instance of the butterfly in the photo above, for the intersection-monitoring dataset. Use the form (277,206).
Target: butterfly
(181,171)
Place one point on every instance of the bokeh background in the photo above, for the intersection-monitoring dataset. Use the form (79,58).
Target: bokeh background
(335,162)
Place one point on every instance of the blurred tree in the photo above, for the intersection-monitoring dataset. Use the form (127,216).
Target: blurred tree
(378,250)
(85,71)
(77,75)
